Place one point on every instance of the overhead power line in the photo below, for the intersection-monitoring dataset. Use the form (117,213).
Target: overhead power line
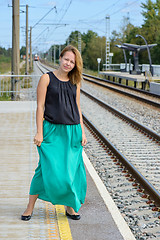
(106,9)
(45,16)
(124,7)
(61,18)
(65,11)
(47,28)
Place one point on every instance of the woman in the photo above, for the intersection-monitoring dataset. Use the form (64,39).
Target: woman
(60,177)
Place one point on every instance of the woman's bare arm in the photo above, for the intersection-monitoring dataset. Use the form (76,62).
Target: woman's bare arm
(84,139)
(41,95)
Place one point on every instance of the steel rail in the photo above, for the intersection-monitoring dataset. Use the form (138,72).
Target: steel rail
(40,68)
(124,116)
(44,66)
(155,104)
(144,183)
(123,86)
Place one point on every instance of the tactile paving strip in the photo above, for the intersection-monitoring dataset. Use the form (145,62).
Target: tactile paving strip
(52,222)
(58,226)
(64,229)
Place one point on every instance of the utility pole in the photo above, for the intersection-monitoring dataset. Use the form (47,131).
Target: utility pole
(27,63)
(15,47)
(68,41)
(54,55)
(79,42)
(51,53)
(30,48)
(107,41)
(59,50)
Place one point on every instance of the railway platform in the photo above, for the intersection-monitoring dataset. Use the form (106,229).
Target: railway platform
(100,218)
(137,79)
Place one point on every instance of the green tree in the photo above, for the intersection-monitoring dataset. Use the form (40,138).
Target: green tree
(151,27)
(87,37)
(95,49)
(73,39)
(23,51)
(116,39)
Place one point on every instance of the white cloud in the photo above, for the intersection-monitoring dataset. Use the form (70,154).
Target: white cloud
(51,3)
(94,0)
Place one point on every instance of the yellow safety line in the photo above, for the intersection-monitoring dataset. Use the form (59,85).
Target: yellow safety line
(63,224)
(52,222)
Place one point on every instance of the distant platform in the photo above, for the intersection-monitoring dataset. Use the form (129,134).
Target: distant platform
(128,76)
(125,75)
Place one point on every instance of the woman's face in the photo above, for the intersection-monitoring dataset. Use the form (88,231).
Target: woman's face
(67,62)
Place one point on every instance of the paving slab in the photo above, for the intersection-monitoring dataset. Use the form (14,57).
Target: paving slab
(18,160)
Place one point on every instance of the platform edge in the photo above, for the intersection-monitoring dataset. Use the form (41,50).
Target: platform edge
(111,206)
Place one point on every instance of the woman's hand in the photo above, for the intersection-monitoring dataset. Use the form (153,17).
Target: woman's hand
(84,140)
(38,139)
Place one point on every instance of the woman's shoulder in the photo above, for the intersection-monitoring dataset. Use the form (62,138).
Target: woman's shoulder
(46,75)
(45,79)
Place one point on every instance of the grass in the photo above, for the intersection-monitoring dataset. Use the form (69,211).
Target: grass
(51,64)
(5,97)
(5,64)
(5,85)
(26,83)
(91,72)
(96,74)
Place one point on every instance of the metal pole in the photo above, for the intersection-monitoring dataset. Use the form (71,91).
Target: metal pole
(98,67)
(54,55)
(31,48)
(59,50)
(27,63)
(68,41)
(125,58)
(149,55)
(79,42)
(107,40)
(51,53)
(15,46)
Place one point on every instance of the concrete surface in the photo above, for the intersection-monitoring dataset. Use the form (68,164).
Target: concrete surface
(18,159)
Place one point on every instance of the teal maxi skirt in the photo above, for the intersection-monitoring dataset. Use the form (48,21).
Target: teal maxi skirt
(60,177)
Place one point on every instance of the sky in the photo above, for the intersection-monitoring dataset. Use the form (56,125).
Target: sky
(61,17)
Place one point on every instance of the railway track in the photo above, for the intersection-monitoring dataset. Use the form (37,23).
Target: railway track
(141,112)
(140,145)
(133,154)
(142,128)
(141,95)
(136,210)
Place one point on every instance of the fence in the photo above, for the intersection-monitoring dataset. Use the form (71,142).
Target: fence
(18,87)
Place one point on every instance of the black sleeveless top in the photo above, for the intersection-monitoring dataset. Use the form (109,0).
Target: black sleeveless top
(60,104)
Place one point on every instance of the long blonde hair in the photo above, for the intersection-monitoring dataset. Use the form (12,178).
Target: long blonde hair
(75,75)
